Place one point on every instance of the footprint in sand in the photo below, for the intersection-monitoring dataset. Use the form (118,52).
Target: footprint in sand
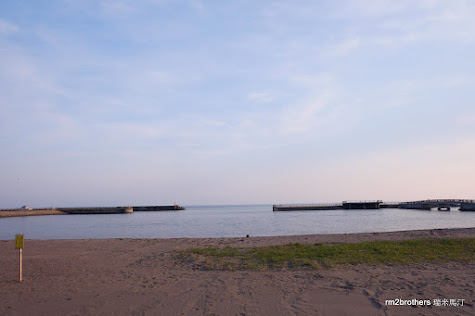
(372,300)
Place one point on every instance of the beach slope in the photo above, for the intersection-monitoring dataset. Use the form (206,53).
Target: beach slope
(144,277)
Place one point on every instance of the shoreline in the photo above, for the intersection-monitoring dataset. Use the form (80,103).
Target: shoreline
(460,232)
(143,277)
(256,241)
(464,232)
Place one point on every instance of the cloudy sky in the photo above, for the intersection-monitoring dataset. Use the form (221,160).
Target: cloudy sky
(235,102)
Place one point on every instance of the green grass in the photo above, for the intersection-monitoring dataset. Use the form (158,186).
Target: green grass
(298,256)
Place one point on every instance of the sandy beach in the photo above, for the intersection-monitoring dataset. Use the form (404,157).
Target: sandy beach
(143,277)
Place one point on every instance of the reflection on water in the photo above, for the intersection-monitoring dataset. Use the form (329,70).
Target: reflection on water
(229,221)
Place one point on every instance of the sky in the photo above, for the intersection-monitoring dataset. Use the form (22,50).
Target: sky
(153,102)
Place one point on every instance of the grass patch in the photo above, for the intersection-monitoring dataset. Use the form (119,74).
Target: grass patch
(298,256)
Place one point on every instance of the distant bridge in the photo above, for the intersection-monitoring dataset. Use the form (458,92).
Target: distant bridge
(440,204)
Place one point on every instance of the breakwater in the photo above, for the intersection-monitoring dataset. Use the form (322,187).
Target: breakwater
(97,210)
(121,209)
(28,211)
(439,204)
(345,205)
(158,208)
(307,207)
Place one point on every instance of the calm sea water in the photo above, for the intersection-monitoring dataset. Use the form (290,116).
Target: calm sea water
(229,221)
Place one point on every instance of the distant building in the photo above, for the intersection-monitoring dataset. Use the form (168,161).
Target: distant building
(26,207)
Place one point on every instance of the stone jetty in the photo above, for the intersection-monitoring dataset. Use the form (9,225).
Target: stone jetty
(24,211)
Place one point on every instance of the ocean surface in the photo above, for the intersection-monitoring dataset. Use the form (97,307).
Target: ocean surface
(229,221)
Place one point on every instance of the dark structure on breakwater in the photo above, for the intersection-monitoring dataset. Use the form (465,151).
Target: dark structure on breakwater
(361,205)
(440,204)
(97,210)
(307,207)
(345,205)
(158,208)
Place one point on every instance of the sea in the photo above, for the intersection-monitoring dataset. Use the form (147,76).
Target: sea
(229,221)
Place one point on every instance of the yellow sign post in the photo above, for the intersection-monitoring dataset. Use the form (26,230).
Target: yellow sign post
(19,241)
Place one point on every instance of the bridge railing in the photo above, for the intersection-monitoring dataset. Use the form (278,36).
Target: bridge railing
(440,201)
(369,201)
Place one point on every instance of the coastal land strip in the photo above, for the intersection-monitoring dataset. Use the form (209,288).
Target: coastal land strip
(20,212)
(27,211)
(146,277)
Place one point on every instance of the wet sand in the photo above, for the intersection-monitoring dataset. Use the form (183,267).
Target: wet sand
(143,277)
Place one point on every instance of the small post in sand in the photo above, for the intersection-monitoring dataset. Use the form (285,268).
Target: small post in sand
(19,245)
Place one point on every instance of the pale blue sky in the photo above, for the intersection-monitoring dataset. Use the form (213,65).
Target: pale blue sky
(223,102)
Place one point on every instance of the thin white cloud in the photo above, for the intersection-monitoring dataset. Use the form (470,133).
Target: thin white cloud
(392,27)
(369,8)
(198,5)
(150,80)
(215,123)
(313,81)
(57,129)
(118,7)
(261,97)
(300,118)
(458,81)
(341,49)
(7,27)
(144,131)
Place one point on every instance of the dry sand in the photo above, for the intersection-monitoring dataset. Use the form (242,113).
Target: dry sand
(142,277)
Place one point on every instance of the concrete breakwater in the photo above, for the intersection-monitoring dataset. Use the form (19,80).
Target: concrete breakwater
(158,208)
(276,208)
(345,205)
(120,209)
(97,210)
(28,211)
(439,204)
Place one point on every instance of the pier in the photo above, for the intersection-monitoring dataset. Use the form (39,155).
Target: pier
(309,207)
(158,208)
(345,205)
(28,211)
(120,209)
(97,210)
(439,204)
